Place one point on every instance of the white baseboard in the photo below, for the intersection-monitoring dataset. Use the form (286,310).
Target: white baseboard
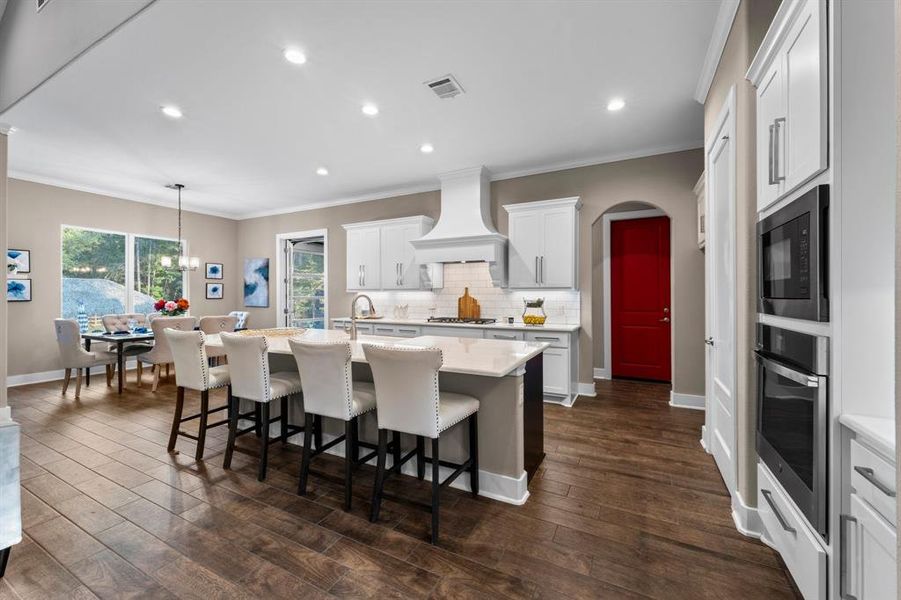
(704,439)
(6,415)
(57,375)
(691,401)
(586,389)
(747,520)
(601,373)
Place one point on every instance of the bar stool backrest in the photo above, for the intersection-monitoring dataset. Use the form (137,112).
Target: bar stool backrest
(248,363)
(217,324)
(189,355)
(325,373)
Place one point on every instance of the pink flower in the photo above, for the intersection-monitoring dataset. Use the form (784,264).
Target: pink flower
(170,305)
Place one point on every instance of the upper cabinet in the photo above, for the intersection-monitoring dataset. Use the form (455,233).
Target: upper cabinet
(380,256)
(790,74)
(543,246)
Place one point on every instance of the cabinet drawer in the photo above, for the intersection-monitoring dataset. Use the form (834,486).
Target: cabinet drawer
(873,479)
(463,332)
(408,331)
(384,330)
(504,335)
(364,328)
(556,339)
(787,531)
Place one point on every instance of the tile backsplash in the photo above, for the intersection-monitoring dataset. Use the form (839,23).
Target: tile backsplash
(561,306)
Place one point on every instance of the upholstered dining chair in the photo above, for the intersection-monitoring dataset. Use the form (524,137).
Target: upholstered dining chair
(248,364)
(214,324)
(160,354)
(119,322)
(192,372)
(74,356)
(329,391)
(408,400)
(242,318)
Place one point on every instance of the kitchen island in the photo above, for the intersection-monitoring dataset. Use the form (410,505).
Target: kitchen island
(506,377)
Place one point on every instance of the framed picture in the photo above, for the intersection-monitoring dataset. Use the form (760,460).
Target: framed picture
(214,291)
(20,259)
(256,282)
(18,290)
(214,270)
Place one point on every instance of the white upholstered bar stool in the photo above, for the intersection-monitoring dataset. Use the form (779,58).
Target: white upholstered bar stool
(408,400)
(74,356)
(192,372)
(329,391)
(248,363)
(211,325)
(160,354)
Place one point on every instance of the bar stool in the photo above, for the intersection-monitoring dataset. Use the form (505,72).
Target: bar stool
(248,363)
(408,400)
(160,353)
(329,391)
(192,372)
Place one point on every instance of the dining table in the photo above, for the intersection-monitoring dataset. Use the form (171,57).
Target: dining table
(119,340)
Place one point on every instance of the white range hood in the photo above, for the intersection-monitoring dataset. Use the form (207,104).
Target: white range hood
(464,232)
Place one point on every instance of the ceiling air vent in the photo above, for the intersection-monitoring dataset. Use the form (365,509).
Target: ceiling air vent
(445,87)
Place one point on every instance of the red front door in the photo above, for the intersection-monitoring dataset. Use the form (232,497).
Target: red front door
(640,298)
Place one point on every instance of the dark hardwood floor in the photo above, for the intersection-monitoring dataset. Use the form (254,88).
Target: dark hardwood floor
(626,505)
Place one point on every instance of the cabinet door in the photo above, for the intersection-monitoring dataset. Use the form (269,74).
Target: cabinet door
(556,371)
(805,125)
(525,248)
(392,240)
(870,560)
(557,262)
(363,259)
(410,278)
(770,103)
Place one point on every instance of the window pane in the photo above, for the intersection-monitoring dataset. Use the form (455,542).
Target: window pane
(307,285)
(152,280)
(93,272)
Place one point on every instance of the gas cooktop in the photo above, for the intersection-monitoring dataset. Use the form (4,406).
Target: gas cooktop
(459,320)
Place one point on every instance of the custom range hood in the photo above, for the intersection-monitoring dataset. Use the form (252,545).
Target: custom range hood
(464,232)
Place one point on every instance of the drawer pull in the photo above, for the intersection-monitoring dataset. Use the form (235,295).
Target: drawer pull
(547,339)
(407,330)
(768,496)
(843,556)
(497,336)
(868,474)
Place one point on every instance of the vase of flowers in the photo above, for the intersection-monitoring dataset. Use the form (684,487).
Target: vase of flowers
(172,308)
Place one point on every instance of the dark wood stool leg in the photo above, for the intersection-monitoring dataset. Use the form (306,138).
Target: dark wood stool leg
(379,475)
(284,421)
(348,462)
(474,453)
(318,431)
(395,454)
(420,457)
(307,451)
(234,409)
(4,559)
(201,430)
(355,438)
(258,425)
(264,442)
(436,490)
(176,418)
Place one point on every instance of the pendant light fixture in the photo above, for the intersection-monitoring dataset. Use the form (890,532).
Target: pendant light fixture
(185,262)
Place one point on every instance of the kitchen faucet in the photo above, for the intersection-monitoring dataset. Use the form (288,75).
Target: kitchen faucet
(353,313)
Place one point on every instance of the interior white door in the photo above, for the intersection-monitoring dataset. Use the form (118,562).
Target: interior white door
(721,295)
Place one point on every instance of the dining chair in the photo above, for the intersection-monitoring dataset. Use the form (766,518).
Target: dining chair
(242,318)
(210,325)
(192,372)
(409,400)
(116,322)
(329,391)
(248,363)
(74,356)
(160,354)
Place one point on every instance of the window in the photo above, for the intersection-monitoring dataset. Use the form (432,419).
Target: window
(110,272)
(306,283)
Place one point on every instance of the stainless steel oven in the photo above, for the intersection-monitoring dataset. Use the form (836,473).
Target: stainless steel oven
(793,258)
(793,415)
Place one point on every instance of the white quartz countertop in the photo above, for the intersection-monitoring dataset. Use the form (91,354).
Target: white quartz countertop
(469,356)
(878,431)
(518,325)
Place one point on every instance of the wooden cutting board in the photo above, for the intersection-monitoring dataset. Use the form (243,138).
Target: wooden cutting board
(467,306)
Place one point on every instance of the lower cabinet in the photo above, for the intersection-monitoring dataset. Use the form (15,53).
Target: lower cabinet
(869,554)
(556,371)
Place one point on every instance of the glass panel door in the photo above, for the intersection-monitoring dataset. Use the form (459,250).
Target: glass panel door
(306,283)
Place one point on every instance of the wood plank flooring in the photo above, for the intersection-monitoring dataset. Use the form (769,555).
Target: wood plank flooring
(626,505)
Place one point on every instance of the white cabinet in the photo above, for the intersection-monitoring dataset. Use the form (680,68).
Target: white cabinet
(543,246)
(408,331)
(559,366)
(869,554)
(381,257)
(790,75)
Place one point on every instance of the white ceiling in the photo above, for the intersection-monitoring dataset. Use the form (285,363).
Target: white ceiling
(537,74)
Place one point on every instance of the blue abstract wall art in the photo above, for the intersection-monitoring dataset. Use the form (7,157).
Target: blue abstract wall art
(256,282)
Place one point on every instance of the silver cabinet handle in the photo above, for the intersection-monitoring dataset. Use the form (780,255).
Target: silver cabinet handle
(770,179)
(868,474)
(364,275)
(536,269)
(768,496)
(776,157)
(796,376)
(407,330)
(497,336)
(843,556)
(541,265)
(546,339)
(360,275)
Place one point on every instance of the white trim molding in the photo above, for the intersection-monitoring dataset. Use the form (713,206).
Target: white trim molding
(721,28)
(6,414)
(747,519)
(692,401)
(585,389)
(57,375)
(601,373)
(773,40)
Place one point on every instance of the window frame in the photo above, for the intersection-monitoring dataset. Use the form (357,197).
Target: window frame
(281,265)
(129,261)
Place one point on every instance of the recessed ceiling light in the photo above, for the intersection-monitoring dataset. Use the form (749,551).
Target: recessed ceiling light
(616,104)
(172,111)
(427,148)
(322,171)
(369,109)
(295,56)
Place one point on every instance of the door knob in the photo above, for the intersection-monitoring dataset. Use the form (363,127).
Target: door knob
(709,341)
(664,320)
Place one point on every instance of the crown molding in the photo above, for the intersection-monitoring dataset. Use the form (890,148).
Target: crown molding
(721,28)
(775,36)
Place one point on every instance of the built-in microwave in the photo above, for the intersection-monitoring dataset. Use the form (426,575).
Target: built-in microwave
(793,258)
